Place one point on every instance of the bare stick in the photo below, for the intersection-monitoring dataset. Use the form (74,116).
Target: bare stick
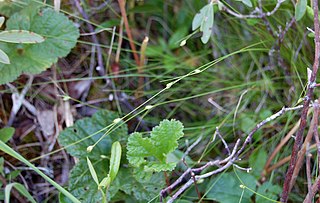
(126,24)
(315,128)
(308,171)
(299,137)
(302,153)
(257,13)
(94,38)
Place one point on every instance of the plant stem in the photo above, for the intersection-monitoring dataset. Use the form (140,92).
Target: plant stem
(122,6)
(303,123)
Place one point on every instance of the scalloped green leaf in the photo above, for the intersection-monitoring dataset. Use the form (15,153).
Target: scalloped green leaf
(20,36)
(300,10)
(60,37)
(140,184)
(163,140)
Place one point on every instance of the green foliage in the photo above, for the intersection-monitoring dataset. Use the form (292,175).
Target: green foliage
(257,161)
(127,181)
(267,192)
(204,19)
(16,36)
(116,152)
(226,188)
(20,36)
(246,2)
(20,188)
(163,140)
(60,37)
(300,9)
(6,134)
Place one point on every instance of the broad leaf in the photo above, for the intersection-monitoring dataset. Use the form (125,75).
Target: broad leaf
(6,134)
(257,161)
(226,188)
(1,21)
(246,2)
(60,33)
(204,19)
(140,184)
(81,183)
(4,57)
(20,36)
(163,140)
(86,127)
(300,9)
(268,192)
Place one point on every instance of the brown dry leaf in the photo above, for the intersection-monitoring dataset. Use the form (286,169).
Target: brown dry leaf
(46,121)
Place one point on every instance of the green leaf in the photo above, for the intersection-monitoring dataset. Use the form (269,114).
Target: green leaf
(92,171)
(257,161)
(115,160)
(268,192)
(162,141)
(81,183)
(20,36)
(226,188)
(246,123)
(21,189)
(6,149)
(105,183)
(1,165)
(204,19)
(140,184)
(8,8)
(1,21)
(300,9)
(60,33)
(4,57)
(6,134)
(246,2)
(95,126)
(176,37)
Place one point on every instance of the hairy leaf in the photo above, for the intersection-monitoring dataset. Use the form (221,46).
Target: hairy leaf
(60,33)
(139,184)
(162,141)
